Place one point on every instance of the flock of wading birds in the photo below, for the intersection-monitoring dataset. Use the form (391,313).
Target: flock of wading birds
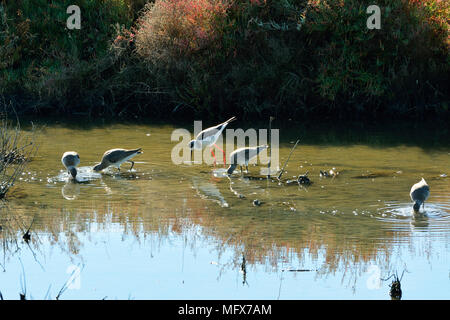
(207,138)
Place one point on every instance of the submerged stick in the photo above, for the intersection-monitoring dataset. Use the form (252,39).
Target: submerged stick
(282,170)
(270,147)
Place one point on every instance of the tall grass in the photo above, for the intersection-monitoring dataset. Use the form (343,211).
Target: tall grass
(16,151)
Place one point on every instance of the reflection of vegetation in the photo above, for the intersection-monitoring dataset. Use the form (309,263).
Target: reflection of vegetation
(267,238)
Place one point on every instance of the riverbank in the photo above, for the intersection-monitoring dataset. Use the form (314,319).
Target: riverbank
(312,60)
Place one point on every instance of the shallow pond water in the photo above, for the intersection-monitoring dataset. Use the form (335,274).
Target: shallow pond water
(166,231)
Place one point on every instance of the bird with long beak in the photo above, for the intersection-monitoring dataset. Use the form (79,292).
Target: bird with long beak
(242,157)
(208,138)
(419,193)
(70,160)
(115,157)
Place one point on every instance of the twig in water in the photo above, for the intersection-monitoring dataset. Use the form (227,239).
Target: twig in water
(47,295)
(244,270)
(67,283)
(282,170)
(23,283)
(270,146)
(298,270)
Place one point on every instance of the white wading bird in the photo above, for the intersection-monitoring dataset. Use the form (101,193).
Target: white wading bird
(208,138)
(419,193)
(242,156)
(115,157)
(70,160)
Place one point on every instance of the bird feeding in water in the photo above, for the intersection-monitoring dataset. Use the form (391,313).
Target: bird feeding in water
(419,193)
(208,138)
(70,160)
(242,157)
(115,157)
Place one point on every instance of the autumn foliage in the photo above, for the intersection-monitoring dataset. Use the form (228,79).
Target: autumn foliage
(172,28)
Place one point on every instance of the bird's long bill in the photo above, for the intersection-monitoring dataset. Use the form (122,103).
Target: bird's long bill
(192,155)
(97,167)
(231,119)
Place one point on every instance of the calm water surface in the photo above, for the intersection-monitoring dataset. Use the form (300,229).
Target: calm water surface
(166,231)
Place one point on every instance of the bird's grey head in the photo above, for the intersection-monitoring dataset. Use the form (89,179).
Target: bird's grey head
(416,206)
(73,172)
(97,167)
(195,145)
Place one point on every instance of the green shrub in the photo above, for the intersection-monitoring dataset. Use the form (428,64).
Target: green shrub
(372,67)
(35,41)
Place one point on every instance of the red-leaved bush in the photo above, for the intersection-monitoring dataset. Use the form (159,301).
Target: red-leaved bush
(172,28)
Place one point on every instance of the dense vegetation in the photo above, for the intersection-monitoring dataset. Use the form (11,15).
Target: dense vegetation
(297,58)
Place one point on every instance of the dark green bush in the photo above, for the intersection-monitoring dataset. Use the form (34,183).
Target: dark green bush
(34,40)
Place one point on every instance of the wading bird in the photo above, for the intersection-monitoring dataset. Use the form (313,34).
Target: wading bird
(419,193)
(208,138)
(242,157)
(70,160)
(115,157)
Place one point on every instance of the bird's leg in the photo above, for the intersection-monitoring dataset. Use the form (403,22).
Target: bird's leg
(246,168)
(132,164)
(223,152)
(212,152)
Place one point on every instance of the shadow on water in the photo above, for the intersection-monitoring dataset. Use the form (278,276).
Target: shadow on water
(426,135)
